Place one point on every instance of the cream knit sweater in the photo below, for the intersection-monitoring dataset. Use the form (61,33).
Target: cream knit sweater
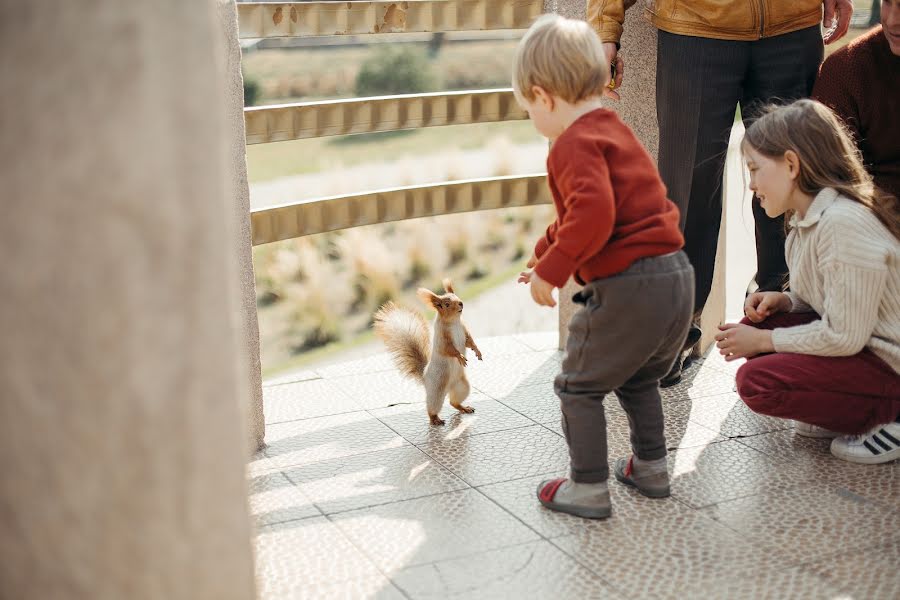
(845,265)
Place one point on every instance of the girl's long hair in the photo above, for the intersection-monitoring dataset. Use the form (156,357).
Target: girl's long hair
(827,155)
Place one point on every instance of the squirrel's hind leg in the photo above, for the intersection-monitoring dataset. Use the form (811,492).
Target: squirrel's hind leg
(459,391)
(434,400)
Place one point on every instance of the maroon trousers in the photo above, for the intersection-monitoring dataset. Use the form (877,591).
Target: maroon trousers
(847,394)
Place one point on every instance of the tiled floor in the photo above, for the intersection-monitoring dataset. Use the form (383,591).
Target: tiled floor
(356,496)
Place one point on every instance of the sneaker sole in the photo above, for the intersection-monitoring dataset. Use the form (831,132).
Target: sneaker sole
(579,511)
(878,459)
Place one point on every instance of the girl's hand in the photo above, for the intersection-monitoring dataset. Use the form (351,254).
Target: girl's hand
(742,341)
(541,291)
(524,277)
(759,306)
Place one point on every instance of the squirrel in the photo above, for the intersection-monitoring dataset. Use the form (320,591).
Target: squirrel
(440,366)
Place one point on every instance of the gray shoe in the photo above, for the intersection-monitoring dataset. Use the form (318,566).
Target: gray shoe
(652,486)
(557,494)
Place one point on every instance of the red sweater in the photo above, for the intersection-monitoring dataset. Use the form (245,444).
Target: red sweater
(861,83)
(611,206)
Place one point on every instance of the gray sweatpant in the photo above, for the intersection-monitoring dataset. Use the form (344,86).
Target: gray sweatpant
(624,340)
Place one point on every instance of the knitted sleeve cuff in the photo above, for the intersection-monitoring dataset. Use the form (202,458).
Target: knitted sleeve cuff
(798,305)
(555,267)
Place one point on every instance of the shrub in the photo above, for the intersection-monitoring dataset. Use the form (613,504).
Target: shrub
(395,69)
(251,91)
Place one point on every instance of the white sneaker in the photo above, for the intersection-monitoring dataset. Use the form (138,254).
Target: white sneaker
(814,431)
(880,445)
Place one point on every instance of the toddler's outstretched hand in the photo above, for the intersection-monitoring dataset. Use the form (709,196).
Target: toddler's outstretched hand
(541,291)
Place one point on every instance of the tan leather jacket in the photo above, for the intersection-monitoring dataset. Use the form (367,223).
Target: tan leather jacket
(719,19)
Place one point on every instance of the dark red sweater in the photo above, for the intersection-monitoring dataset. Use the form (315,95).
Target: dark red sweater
(611,206)
(861,83)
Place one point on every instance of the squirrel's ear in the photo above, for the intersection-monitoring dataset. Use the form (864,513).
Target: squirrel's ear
(428,297)
(448,286)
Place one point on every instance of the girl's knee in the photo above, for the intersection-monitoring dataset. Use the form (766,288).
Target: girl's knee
(753,382)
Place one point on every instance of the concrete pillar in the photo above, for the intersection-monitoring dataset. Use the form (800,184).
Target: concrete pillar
(120,347)
(233,102)
(638,108)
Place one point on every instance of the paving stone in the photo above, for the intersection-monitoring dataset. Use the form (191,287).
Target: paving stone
(880,483)
(536,571)
(305,400)
(537,402)
(314,440)
(699,381)
(292,377)
(663,557)
(541,340)
(369,364)
(707,475)
(808,521)
(374,478)
(869,572)
(501,456)
(500,377)
(411,420)
(727,414)
(425,530)
(380,390)
(373,588)
(519,498)
(680,430)
(304,555)
(274,499)
(792,582)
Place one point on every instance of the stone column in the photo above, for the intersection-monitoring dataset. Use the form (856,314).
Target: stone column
(638,108)
(239,206)
(121,372)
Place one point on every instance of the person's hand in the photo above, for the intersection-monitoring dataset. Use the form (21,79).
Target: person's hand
(525,276)
(759,306)
(612,57)
(541,291)
(742,341)
(844,10)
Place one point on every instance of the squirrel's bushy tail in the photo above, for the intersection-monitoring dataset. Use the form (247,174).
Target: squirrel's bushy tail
(405,333)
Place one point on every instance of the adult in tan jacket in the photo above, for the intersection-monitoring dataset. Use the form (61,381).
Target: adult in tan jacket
(713,55)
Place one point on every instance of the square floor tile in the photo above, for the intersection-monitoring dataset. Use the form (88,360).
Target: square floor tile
(727,414)
(699,381)
(880,483)
(368,364)
(302,554)
(536,570)
(274,499)
(869,572)
(305,400)
(502,376)
(374,478)
(452,525)
(293,377)
(714,360)
(541,340)
(372,588)
(808,521)
(501,345)
(380,390)
(520,498)
(680,431)
(313,440)
(501,456)
(791,582)
(411,420)
(537,402)
(707,475)
(662,557)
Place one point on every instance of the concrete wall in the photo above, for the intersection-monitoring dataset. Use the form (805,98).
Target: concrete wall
(238,202)
(121,356)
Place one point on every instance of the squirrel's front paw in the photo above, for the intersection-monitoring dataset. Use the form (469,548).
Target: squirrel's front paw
(478,355)
(462,360)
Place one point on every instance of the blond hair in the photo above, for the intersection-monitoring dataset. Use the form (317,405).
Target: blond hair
(563,56)
(827,155)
